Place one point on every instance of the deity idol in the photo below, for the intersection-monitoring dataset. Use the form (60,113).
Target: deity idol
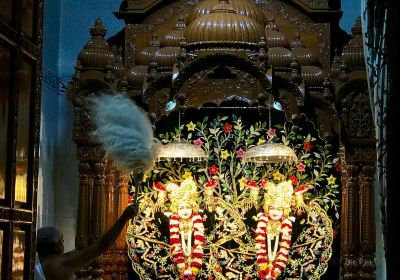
(274,230)
(186,229)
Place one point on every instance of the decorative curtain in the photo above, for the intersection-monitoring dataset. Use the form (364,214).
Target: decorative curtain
(374,24)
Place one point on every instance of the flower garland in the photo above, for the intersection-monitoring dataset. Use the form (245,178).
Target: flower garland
(271,263)
(187,261)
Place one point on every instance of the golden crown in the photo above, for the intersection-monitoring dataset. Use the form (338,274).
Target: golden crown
(279,195)
(186,192)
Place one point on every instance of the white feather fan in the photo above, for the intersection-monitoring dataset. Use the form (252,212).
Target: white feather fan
(125,131)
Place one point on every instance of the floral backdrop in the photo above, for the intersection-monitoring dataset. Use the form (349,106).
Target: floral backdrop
(229,214)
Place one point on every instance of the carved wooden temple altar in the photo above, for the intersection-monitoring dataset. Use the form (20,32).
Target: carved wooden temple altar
(215,52)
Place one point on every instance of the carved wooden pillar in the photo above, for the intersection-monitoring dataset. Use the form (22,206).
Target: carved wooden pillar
(123,180)
(82,231)
(350,223)
(98,199)
(109,193)
(107,261)
(358,137)
(83,225)
(367,263)
(97,221)
(87,154)
(80,136)
(94,73)
(97,203)
(121,247)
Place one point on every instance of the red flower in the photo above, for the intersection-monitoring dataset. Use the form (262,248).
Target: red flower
(250,183)
(307,146)
(271,133)
(302,189)
(213,170)
(130,198)
(264,183)
(227,128)
(294,180)
(240,153)
(338,166)
(211,184)
(160,187)
(301,167)
(198,142)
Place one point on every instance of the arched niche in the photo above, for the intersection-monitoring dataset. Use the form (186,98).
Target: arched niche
(221,66)
(249,115)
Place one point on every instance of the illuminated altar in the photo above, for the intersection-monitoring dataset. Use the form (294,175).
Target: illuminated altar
(233,204)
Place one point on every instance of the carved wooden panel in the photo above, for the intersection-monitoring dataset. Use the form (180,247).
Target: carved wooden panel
(220,84)
(358,224)
(367,263)
(350,222)
(357,124)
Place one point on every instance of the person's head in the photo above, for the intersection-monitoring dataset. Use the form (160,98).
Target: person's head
(278,199)
(49,242)
(183,198)
(275,212)
(185,210)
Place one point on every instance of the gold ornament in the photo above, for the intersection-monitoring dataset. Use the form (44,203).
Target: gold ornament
(185,225)
(278,195)
(186,192)
(274,227)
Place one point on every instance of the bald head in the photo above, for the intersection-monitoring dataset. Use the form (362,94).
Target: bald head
(49,242)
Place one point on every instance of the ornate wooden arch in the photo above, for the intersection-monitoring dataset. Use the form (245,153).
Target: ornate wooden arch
(159,89)
(216,59)
(293,87)
(355,126)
